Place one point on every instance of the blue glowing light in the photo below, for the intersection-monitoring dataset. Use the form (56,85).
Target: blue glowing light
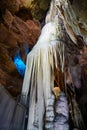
(20,65)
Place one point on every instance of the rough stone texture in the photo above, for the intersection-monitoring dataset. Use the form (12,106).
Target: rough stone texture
(21,31)
(12,6)
(9,76)
(11,112)
(37,8)
(15,34)
(75,15)
(19,26)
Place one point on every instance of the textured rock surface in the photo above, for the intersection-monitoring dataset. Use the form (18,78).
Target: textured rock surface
(21,31)
(37,8)
(75,16)
(18,31)
(20,28)
(15,36)
(9,120)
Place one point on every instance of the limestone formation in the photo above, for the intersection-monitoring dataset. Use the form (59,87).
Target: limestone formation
(57,62)
(15,36)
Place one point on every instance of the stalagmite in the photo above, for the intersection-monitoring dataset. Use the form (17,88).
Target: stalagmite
(62,113)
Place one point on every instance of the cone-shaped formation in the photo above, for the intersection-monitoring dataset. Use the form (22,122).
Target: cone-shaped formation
(39,75)
(38,84)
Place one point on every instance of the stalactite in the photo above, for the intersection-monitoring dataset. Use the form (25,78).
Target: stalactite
(46,55)
(39,75)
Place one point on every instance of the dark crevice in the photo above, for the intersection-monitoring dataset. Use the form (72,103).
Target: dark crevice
(71,1)
(24,14)
(1,19)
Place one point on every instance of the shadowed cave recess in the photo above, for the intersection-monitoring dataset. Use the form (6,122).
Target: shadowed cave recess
(43,65)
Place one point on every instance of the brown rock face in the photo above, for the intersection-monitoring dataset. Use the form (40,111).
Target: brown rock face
(37,8)
(18,30)
(15,34)
(21,31)
(12,6)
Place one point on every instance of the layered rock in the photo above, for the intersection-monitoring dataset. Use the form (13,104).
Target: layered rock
(19,29)
(15,36)
(38,8)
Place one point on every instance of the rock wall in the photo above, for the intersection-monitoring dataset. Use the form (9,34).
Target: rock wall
(19,27)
